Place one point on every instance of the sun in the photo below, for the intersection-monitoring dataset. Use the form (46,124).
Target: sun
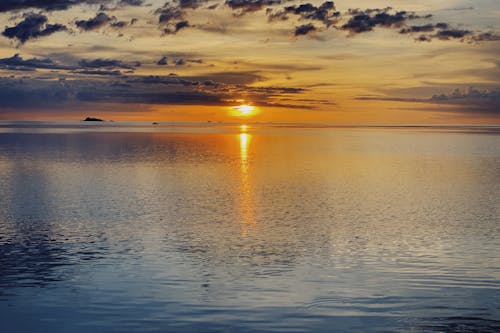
(244,109)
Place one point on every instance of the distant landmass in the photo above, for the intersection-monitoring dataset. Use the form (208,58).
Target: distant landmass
(92,119)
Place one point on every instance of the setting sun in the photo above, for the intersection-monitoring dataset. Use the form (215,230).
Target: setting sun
(244,109)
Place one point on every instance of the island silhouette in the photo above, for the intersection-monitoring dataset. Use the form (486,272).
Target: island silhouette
(92,119)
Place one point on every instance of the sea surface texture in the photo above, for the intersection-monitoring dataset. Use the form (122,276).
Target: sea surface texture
(168,228)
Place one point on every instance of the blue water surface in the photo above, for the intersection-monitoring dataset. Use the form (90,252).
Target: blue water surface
(260,228)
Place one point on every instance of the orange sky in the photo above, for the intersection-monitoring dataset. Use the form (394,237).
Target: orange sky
(294,61)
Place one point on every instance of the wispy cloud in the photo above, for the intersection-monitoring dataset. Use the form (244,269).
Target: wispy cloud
(16,62)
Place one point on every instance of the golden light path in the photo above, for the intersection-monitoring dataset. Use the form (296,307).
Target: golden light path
(246,204)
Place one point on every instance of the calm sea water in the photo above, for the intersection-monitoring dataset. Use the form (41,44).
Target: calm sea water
(249,229)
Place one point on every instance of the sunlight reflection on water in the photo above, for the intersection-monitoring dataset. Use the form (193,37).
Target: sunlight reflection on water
(246,204)
(249,229)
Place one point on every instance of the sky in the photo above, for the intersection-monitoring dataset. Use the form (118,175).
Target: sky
(342,62)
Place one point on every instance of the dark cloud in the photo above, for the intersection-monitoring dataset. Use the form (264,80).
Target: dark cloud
(83,66)
(447,34)
(228,91)
(101,19)
(354,20)
(417,28)
(466,101)
(98,72)
(16,62)
(8,5)
(127,96)
(452,34)
(171,79)
(485,36)
(273,16)
(118,24)
(228,77)
(169,13)
(304,29)
(171,16)
(233,79)
(107,63)
(36,94)
(52,5)
(468,96)
(443,31)
(33,26)
(358,21)
(423,29)
(180,62)
(176,27)
(103,86)
(134,3)
(193,4)
(162,62)
(325,13)
(110,5)
(423,38)
(181,25)
(247,6)
(32,94)
(441,25)
(367,20)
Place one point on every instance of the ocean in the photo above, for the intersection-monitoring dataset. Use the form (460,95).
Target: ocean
(122,227)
